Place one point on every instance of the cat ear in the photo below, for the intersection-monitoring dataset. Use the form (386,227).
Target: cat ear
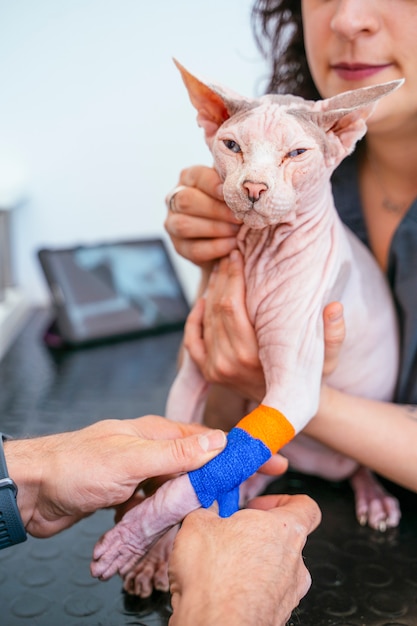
(214,104)
(344,116)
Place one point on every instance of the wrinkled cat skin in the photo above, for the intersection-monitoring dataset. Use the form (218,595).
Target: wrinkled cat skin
(276,155)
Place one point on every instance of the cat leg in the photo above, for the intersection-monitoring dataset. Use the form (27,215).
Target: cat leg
(188,394)
(374,505)
(122,547)
(151,572)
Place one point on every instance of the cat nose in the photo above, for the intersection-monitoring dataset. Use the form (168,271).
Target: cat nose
(254,190)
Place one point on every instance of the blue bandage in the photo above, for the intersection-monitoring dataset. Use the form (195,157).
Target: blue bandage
(221,477)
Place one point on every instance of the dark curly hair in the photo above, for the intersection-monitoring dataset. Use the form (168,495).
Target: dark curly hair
(278,30)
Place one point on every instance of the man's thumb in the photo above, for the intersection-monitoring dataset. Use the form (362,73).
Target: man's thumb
(188,453)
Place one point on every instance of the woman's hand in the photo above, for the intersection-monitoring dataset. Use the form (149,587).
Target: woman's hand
(201,226)
(219,335)
(221,340)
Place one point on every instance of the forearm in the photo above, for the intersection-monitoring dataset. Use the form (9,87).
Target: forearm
(380,435)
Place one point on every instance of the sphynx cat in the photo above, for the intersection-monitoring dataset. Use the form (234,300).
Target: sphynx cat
(276,155)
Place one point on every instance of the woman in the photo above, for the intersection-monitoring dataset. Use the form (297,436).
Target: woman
(326,46)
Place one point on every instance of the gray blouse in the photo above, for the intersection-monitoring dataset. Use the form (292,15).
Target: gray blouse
(401,272)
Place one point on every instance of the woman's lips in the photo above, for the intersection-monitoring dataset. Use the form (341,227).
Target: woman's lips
(357,71)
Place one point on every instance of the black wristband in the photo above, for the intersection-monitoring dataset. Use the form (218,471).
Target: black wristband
(12,530)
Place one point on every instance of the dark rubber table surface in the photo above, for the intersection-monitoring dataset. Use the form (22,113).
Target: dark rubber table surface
(360,577)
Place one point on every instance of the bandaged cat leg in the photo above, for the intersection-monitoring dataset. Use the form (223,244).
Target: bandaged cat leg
(250,444)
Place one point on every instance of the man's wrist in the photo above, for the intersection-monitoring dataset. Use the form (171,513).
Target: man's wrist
(25,473)
(12,529)
(202,607)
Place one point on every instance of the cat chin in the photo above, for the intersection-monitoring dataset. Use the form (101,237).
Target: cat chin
(256,221)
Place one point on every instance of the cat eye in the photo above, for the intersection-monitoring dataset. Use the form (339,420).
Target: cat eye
(294,153)
(232,145)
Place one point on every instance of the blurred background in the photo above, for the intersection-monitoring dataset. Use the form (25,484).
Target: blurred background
(95,123)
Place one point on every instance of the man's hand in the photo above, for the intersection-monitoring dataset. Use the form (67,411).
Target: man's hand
(243,570)
(65,477)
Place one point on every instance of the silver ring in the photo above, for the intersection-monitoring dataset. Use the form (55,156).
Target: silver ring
(171,197)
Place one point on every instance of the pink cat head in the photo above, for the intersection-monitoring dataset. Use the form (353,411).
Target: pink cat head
(274,153)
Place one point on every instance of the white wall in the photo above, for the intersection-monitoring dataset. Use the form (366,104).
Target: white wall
(95,123)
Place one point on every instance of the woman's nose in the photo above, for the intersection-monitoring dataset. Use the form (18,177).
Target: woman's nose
(355,17)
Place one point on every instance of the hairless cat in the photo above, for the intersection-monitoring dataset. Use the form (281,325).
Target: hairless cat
(276,155)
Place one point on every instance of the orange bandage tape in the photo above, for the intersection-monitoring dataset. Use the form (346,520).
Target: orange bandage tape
(268,425)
